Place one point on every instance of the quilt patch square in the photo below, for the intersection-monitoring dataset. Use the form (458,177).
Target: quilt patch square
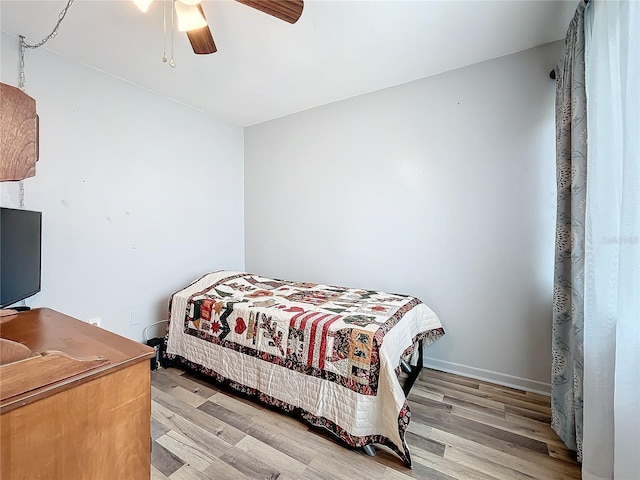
(313,297)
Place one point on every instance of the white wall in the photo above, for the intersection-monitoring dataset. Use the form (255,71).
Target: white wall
(443,188)
(139,194)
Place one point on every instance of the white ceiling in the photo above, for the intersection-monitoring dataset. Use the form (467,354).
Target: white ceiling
(266,68)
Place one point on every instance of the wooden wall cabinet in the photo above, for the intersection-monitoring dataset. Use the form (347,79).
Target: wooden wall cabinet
(90,425)
(18,134)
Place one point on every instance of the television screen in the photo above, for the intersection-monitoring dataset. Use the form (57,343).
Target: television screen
(20,234)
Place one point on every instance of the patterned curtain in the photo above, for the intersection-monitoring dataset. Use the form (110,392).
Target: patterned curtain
(568,293)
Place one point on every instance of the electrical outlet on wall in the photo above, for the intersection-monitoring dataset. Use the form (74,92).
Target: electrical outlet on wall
(94,321)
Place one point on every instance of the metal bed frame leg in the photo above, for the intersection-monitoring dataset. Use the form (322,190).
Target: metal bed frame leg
(369,450)
(413,372)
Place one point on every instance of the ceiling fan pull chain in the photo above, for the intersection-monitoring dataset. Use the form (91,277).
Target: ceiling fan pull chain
(164,31)
(172,64)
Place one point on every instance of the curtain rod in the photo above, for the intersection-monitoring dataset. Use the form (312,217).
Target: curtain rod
(552,73)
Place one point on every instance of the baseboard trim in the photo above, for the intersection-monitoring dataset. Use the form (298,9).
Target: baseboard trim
(489,376)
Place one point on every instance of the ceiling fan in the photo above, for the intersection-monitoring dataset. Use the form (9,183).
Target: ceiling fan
(191,18)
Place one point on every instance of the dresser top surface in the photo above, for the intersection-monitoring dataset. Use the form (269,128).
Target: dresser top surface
(45,330)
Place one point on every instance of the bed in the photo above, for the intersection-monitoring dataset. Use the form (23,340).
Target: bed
(331,354)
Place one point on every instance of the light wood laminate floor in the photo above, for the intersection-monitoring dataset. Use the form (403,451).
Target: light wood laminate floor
(460,429)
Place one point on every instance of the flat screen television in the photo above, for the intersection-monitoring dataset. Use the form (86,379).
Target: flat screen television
(20,239)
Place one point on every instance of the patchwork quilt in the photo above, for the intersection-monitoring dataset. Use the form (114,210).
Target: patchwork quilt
(330,353)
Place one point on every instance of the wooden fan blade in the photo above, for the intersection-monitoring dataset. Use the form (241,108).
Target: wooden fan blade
(287,10)
(201,39)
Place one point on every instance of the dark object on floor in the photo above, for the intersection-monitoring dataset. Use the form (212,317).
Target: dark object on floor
(158,345)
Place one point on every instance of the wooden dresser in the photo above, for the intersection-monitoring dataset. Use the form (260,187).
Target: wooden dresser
(86,422)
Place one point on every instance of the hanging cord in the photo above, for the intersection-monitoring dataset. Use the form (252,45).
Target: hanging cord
(22,82)
(24,45)
(144,330)
(21,194)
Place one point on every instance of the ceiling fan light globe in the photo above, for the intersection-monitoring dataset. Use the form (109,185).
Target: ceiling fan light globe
(143,5)
(189,17)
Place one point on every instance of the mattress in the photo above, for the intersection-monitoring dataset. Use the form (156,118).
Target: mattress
(332,354)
